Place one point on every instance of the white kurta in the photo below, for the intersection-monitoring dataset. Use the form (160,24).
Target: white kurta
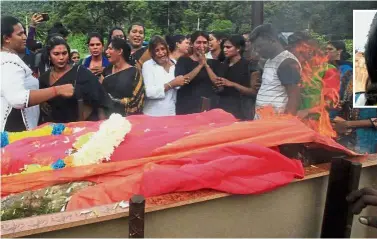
(158,102)
(16,82)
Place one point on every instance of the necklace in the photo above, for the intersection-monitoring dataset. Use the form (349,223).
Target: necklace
(55,76)
(114,70)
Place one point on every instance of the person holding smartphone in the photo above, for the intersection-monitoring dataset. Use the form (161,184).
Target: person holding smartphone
(20,93)
(36,19)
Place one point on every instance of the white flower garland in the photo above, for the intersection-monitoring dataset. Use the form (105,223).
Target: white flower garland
(101,145)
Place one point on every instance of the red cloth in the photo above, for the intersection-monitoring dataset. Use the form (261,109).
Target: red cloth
(153,132)
(182,153)
(331,85)
(242,169)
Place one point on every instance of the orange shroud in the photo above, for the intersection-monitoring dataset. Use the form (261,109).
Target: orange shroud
(182,153)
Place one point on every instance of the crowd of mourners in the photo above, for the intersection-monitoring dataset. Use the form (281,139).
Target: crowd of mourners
(179,74)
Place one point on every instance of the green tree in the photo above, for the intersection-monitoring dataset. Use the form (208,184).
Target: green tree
(225,26)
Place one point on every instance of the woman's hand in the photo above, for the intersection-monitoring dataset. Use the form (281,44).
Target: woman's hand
(36,19)
(341,126)
(224,82)
(179,81)
(97,70)
(66,90)
(360,199)
(202,59)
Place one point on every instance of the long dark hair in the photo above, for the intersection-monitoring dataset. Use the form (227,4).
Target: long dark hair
(238,41)
(121,44)
(154,42)
(371,64)
(220,36)
(173,40)
(340,45)
(56,41)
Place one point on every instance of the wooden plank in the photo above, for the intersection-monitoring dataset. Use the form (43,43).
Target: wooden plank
(63,220)
(136,217)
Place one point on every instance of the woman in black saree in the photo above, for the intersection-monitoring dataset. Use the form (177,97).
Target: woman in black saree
(89,101)
(123,82)
(238,95)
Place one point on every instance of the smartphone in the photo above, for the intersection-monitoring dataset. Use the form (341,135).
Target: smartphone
(45,17)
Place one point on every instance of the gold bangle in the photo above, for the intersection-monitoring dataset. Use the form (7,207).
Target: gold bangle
(124,101)
(170,85)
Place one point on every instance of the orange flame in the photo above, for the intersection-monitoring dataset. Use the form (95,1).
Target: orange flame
(325,80)
(315,74)
(268,112)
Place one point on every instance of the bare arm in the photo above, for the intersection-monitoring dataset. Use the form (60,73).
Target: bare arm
(176,82)
(360,124)
(39,96)
(342,126)
(289,75)
(211,74)
(191,75)
(254,85)
(252,90)
(293,104)
(245,90)
(13,89)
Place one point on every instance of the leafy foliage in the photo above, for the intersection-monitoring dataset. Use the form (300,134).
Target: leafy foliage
(78,41)
(168,17)
(221,26)
(182,17)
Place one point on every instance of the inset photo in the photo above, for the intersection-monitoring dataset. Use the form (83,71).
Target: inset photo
(365,60)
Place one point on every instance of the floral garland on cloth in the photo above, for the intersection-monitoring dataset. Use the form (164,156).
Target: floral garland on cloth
(52,129)
(102,144)
(91,148)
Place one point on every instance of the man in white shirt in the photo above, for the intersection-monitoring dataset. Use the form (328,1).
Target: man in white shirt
(281,73)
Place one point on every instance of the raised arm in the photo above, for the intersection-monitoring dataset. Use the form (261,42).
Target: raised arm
(35,20)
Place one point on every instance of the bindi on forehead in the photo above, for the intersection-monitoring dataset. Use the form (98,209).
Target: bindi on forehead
(59,48)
